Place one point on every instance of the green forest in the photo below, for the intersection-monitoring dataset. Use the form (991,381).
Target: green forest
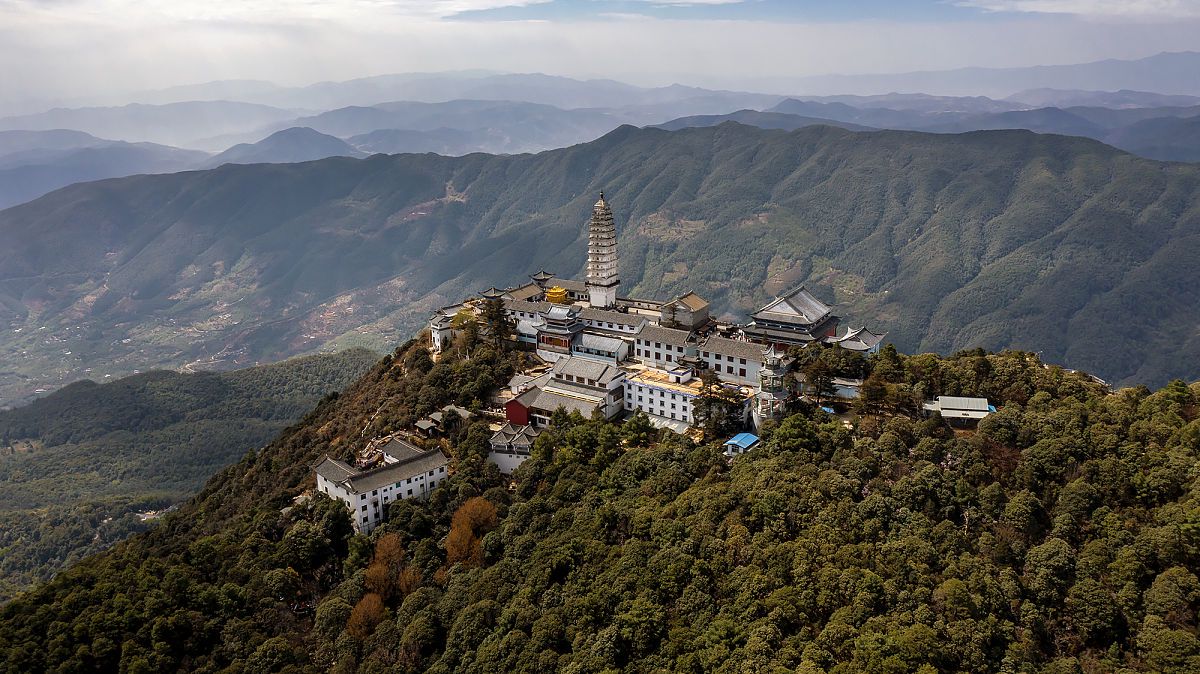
(77,466)
(1062,536)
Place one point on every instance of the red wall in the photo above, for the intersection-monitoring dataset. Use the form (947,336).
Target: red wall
(516,413)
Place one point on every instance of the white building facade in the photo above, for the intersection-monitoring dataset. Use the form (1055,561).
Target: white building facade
(406,472)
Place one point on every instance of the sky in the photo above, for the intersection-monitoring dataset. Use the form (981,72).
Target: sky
(76,50)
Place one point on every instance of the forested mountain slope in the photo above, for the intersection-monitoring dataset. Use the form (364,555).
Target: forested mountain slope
(1000,239)
(78,465)
(1063,535)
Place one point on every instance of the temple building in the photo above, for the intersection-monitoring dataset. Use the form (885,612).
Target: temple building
(511,446)
(772,397)
(795,318)
(576,385)
(602,279)
(405,471)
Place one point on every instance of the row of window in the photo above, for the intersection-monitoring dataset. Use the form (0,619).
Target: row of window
(579,380)
(601,324)
(662,409)
(717,356)
(658,345)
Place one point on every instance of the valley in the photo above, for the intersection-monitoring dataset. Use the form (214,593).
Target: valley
(91,464)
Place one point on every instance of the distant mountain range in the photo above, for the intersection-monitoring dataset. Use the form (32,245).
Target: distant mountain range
(998,239)
(1168,72)
(763,120)
(33,163)
(284,147)
(1065,98)
(253,133)
(171,124)
(1165,133)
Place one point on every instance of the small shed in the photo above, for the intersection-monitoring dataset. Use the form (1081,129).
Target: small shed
(740,444)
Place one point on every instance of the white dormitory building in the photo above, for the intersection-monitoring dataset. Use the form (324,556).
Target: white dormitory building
(406,472)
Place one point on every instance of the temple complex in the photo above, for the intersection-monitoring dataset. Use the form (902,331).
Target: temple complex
(613,354)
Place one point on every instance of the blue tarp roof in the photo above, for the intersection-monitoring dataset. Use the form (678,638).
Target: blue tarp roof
(743,440)
(828,410)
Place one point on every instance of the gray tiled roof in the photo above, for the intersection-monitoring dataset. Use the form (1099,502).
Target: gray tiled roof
(861,339)
(334,470)
(587,368)
(525,292)
(795,306)
(600,343)
(523,305)
(656,333)
(522,436)
(615,317)
(732,347)
(780,335)
(402,451)
(550,401)
(395,472)
(570,284)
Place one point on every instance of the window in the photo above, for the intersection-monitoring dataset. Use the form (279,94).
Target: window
(741,361)
(376,516)
(672,407)
(362,497)
(442,469)
(672,415)
(431,473)
(668,357)
(729,358)
(741,372)
(364,509)
(375,492)
(397,485)
(364,519)
(410,492)
(729,368)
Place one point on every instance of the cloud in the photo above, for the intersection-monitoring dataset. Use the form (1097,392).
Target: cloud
(77,51)
(1148,9)
(214,10)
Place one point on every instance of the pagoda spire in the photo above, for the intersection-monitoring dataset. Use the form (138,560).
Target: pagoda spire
(602,280)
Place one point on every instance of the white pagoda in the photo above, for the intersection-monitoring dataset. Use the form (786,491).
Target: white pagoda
(602,278)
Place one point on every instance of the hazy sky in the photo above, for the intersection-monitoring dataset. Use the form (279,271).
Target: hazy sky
(73,49)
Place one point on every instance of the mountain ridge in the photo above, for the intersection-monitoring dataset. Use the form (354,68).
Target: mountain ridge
(1000,239)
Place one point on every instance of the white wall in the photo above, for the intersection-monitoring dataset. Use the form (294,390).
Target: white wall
(657,402)
(375,500)
(507,462)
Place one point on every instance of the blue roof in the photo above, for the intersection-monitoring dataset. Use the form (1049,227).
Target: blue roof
(828,410)
(743,440)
